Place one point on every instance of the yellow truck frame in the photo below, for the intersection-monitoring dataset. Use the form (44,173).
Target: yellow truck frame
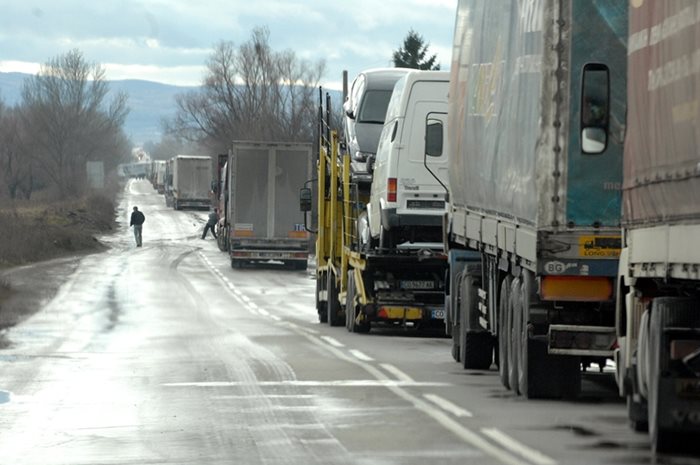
(347,274)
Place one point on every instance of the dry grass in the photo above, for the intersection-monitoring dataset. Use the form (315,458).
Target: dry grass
(34,231)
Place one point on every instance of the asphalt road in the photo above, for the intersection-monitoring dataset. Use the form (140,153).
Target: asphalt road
(165,355)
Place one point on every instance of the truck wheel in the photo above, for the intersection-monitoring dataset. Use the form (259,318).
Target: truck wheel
(476,346)
(513,334)
(321,307)
(637,414)
(454,331)
(504,330)
(350,303)
(235,263)
(334,317)
(540,375)
(300,265)
(676,312)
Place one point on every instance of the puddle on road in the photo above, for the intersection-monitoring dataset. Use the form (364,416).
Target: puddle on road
(4,397)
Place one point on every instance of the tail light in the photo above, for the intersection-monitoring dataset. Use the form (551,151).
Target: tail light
(391,195)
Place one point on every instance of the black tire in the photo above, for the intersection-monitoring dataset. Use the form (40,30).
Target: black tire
(335,318)
(513,335)
(666,312)
(504,330)
(321,307)
(638,415)
(300,265)
(476,347)
(540,375)
(350,303)
(235,263)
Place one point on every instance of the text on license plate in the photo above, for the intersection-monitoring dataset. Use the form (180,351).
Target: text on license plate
(437,314)
(418,284)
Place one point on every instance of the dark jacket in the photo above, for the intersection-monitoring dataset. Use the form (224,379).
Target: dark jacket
(213,219)
(137,218)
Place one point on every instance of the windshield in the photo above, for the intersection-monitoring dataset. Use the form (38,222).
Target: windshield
(373,107)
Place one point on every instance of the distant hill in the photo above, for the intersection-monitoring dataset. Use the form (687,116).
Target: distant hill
(149,103)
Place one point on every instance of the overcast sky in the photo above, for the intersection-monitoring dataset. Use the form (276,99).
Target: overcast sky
(169,40)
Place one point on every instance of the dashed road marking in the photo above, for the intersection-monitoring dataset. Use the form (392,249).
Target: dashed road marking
(361,356)
(519,448)
(448,406)
(332,341)
(396,372)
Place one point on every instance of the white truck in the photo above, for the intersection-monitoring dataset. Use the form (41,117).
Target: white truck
(658,305)
(260,216)
(535,116)
(191,183)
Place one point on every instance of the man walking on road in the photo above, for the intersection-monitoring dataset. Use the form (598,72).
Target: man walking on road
(211,223)
(137,220)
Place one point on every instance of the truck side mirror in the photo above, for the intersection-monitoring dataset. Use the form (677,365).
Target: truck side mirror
(305,199)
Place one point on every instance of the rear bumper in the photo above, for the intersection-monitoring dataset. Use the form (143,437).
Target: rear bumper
(391,218)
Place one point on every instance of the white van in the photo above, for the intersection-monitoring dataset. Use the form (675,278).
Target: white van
(365,110)
(407,202)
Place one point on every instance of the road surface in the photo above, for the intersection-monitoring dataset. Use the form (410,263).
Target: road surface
(165,355)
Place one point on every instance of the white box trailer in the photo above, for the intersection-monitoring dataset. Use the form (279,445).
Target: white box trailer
(192,177)
(262,218)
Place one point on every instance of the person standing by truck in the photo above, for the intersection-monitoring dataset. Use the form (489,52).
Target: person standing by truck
(211,223)
(137,219)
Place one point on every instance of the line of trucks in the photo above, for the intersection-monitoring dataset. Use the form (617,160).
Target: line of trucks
(542,201)
(254,188)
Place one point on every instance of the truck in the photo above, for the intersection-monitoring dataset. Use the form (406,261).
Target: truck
(658,305)
(536,120)
(158,175)
(191,181)
(168,183)
(358,282)
(219,200)
(259,214)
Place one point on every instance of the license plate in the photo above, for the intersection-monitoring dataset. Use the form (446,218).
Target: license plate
(437,314)
(417,285)
(688,388)
(428,204)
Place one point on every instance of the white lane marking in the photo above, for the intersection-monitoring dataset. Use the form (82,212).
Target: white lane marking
(361,356)
(275,317)
(253,305)
(332,341)
(448,406)
(296,327)
(519,448)
(309,383)
(446,421)
(245,298)
(264,312)
(396,372)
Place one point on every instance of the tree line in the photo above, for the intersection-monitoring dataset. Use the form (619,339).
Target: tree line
(63,120)
(66,116)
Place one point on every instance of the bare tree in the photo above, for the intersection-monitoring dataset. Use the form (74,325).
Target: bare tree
(250,93)
(15,164)
(71,122)
(169,146)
